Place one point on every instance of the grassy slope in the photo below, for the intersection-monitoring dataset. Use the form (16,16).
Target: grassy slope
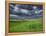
(35,25)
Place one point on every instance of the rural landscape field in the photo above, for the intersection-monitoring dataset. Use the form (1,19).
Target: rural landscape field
(35,25)
(25,19)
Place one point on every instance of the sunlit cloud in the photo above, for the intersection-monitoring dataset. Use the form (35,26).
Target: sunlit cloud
(34,7)
(24,11)
(11,6)
(38,11)
(16,8)
(12,15)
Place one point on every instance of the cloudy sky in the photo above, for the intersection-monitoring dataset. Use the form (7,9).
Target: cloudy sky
(24,11)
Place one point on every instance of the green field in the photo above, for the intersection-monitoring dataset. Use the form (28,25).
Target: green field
(34,25)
